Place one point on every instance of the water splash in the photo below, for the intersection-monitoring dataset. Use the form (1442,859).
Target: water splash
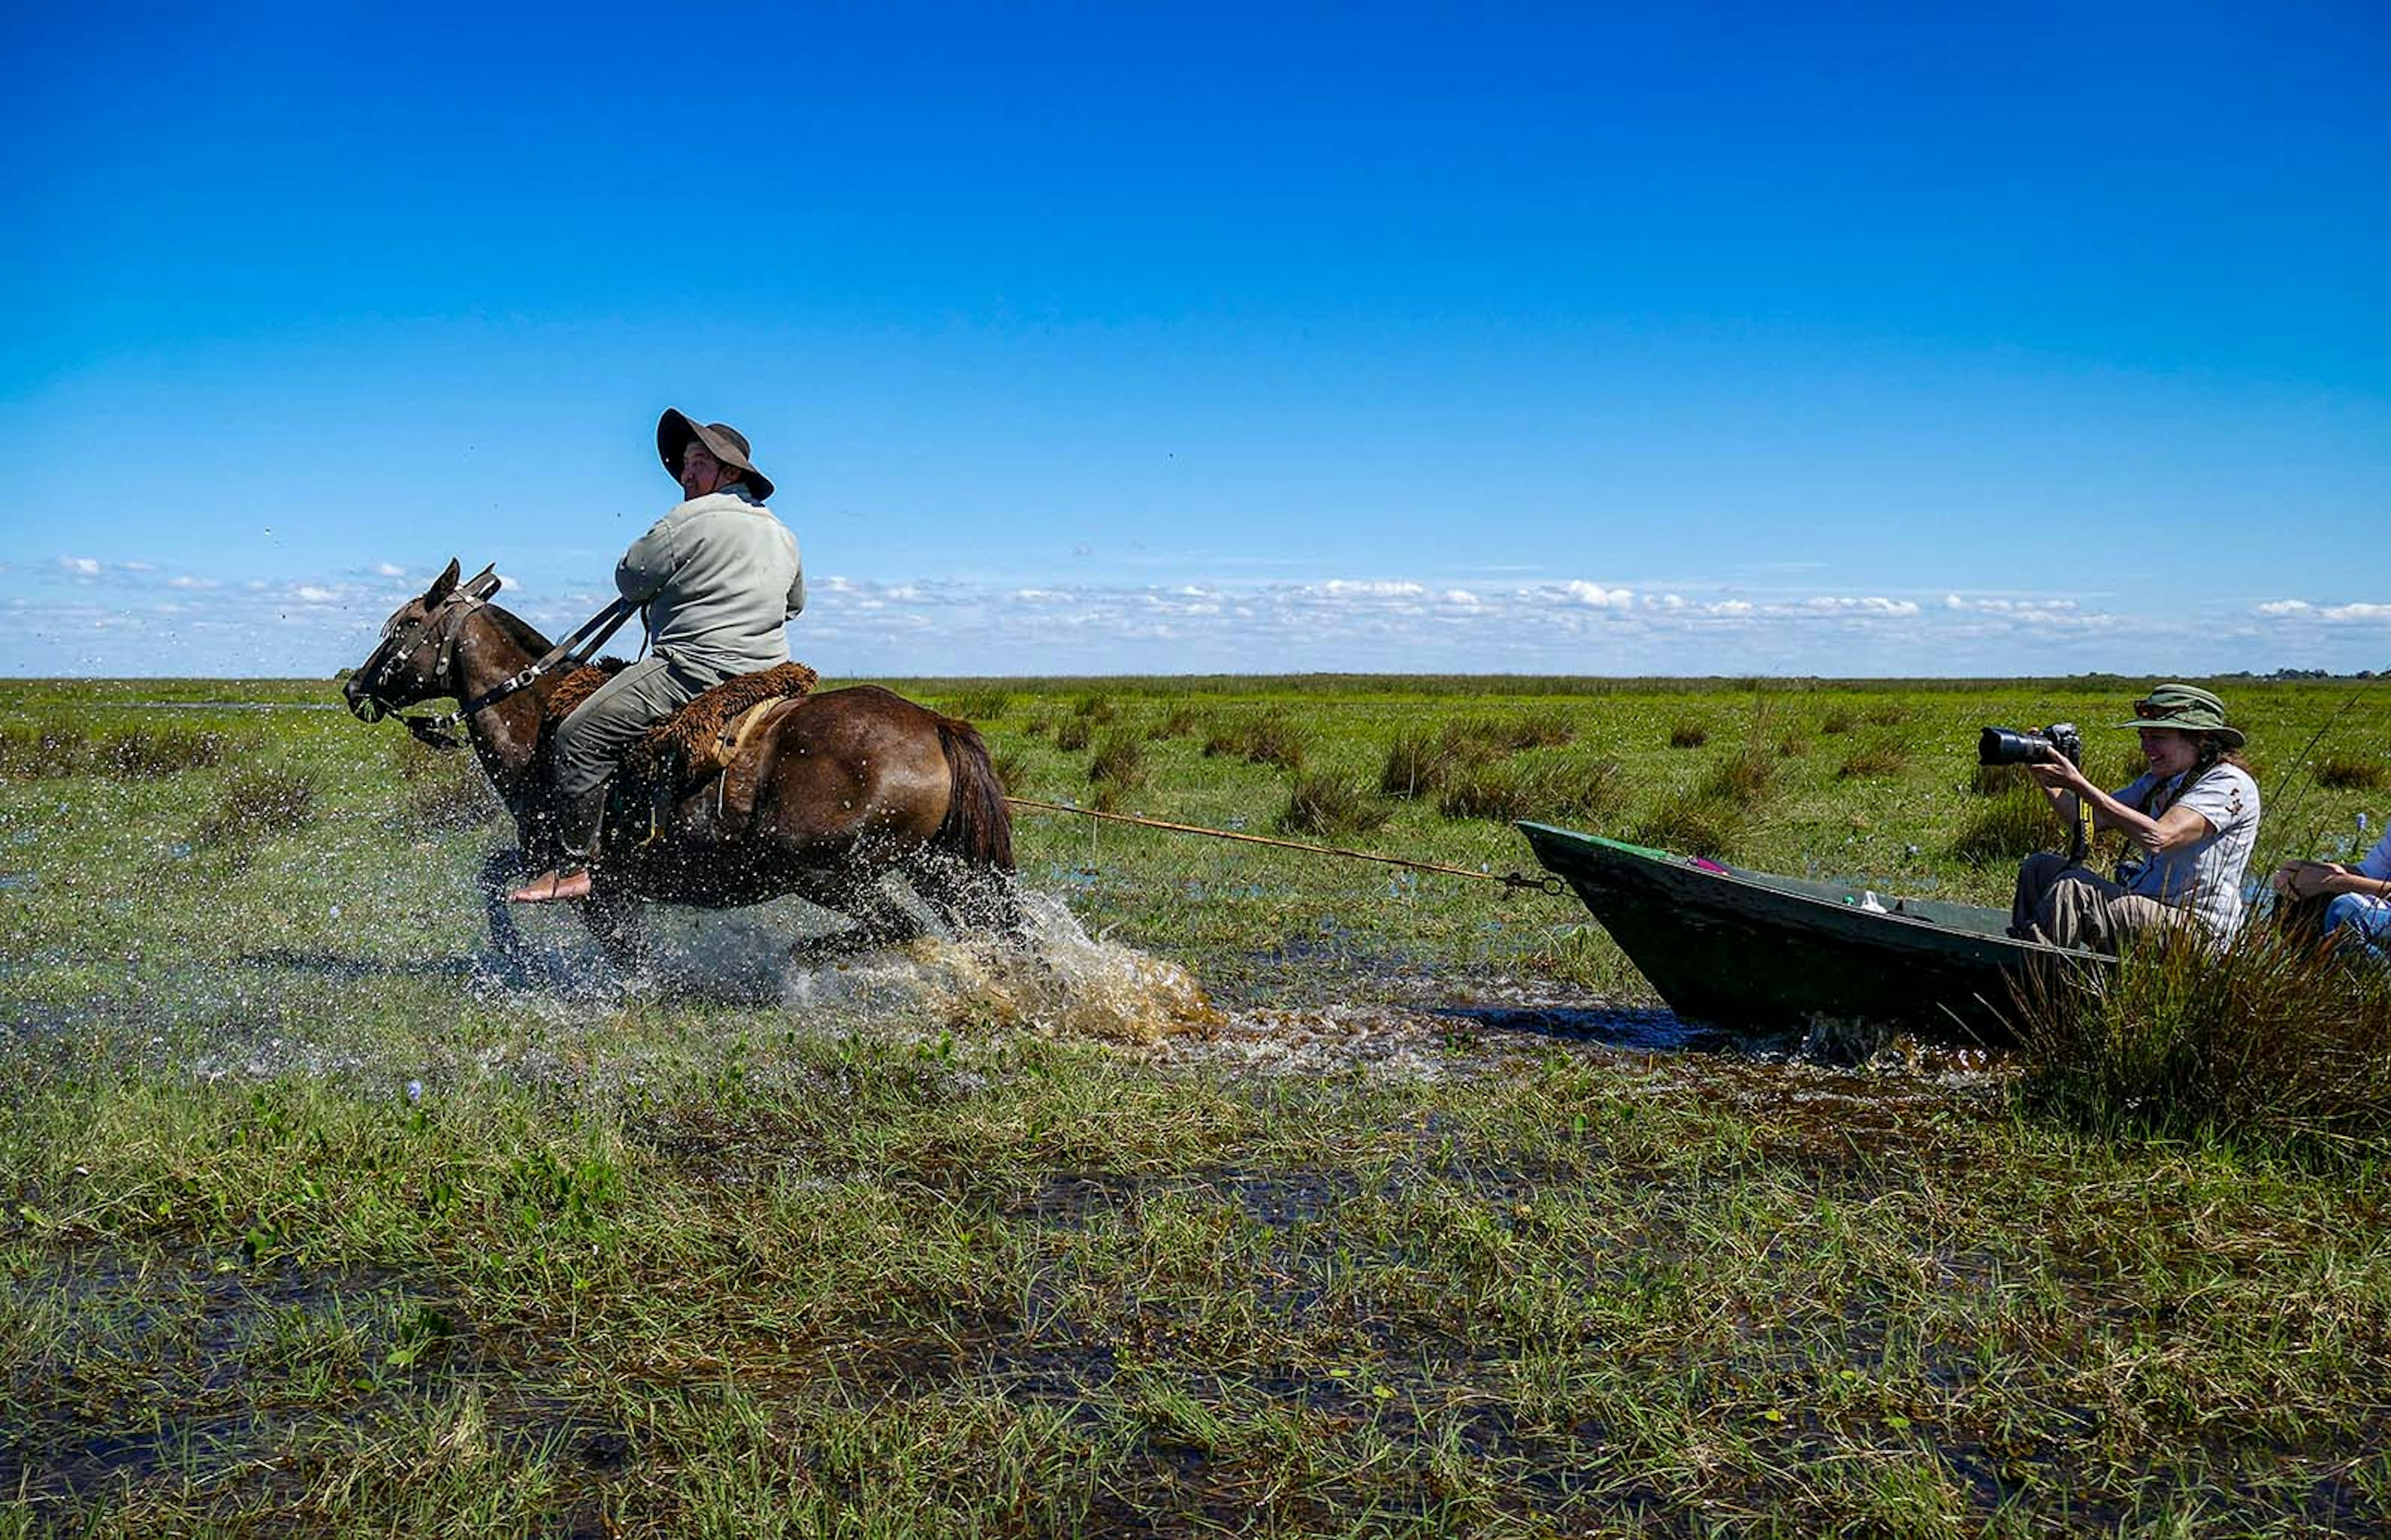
(1062,983)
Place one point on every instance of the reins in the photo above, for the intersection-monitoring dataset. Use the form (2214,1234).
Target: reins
(1547,883)
(449,618)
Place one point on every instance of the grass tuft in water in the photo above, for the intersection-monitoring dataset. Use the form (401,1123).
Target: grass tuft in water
(1693,822)
(2273,1040)
(1269,736)
(256,806)
(2353,772)
(981,706)
(48,750)
(1118,767)
(443,791)
(1879,761)
(1324,802)
(2009,828)
(1743,777)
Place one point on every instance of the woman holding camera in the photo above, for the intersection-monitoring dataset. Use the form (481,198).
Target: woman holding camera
(2189,824)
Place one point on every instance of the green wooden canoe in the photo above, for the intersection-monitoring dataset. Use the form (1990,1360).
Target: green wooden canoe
(1746,951)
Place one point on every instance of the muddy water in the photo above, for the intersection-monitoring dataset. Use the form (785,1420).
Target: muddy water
(261,1014)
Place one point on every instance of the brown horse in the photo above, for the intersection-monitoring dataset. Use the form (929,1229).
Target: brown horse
(836,790)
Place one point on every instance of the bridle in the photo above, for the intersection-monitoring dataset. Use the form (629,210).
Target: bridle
(441,624)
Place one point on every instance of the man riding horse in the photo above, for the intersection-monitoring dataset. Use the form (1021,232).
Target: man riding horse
(720,578)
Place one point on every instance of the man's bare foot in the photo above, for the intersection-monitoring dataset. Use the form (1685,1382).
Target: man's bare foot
(553,887)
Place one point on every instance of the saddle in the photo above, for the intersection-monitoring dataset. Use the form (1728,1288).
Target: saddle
(695,744)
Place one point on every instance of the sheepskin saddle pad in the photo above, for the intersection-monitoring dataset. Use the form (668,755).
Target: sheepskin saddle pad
(703,736)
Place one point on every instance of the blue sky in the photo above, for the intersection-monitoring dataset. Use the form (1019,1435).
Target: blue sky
(1086,339)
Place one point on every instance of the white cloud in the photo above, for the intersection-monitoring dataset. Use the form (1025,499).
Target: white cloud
(2360,613)
(1596,596)
(314,594)
(1831,606)
(388,569)
(80,566)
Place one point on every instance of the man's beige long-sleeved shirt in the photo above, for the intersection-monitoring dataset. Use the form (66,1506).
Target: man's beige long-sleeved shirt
(721,580)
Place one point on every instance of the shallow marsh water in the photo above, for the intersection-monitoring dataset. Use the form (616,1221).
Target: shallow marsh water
(1252,1195)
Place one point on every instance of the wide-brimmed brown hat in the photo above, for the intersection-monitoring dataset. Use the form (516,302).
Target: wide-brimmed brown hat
(2186,708)
(675,431)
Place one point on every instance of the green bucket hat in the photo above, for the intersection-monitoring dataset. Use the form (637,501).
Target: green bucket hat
(2186,708)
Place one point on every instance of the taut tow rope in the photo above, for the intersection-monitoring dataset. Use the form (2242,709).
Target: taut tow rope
(1546,884)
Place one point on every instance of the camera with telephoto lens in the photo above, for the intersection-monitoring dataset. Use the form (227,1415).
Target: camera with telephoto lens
(2008,746)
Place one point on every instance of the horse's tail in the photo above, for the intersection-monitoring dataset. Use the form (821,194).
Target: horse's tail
(979,827)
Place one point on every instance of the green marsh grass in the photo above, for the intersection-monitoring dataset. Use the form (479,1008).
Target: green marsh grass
(722,1262)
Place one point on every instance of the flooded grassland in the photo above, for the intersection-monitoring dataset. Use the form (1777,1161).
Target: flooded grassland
(1263,1193)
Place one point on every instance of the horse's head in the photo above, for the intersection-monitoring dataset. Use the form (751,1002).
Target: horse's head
(410,662)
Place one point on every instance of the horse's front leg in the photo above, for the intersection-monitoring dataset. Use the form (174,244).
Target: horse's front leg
(616,919)
(501,869)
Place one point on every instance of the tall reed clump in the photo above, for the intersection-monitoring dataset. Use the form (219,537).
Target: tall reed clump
(2273,1040)
(1875,760)
(1424,764)
(1323,802)
(981,705)
(50,750)
(1420,760)
(257,804)
(1580,790)
(1072,733)
(1178,722)
(1744,776)
(443,791)
(1118,767)
(1271,738)
(2352,773)
(2010,827)
(1693,821)
(1688,735)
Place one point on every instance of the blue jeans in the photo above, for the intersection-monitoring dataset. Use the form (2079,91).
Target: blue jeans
(2361,923)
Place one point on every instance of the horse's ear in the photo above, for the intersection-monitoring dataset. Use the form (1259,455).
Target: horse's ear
(442,584)
(481,584)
